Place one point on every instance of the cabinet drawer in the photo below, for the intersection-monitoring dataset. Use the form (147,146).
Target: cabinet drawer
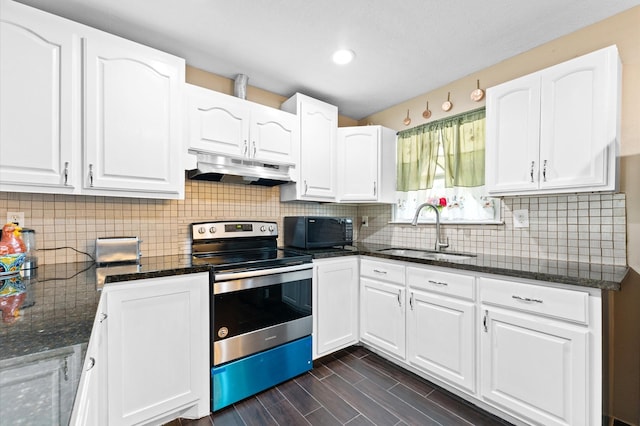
(384,271)
(554,302)
(457,285)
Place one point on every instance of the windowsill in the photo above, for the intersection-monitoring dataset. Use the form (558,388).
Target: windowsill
(451,222)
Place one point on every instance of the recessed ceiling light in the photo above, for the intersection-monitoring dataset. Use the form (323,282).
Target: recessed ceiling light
(343,56)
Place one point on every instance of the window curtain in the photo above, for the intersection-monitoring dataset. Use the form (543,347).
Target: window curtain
(463,139)
(416,160)
(463,145)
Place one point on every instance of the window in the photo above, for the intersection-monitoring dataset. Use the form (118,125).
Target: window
(443,163)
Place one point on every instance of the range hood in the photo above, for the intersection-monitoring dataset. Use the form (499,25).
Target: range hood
(218,168)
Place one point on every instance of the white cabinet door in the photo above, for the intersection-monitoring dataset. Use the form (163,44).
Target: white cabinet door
(133,116)
(382,316)
(577,134)
(335,299)
(441,337)
(218,123)
(535,368)
(90,405)
(158,348)
(366,164)
(358,161)
(233,127)
(556,130)
(39,56)
(316,179)
(274,135)
(513,136)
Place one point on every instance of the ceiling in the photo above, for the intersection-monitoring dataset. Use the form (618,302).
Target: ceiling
(403,48)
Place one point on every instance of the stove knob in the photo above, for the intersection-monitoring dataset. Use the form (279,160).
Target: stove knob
(201,230)
(271,228)
(212,229)
(263,228)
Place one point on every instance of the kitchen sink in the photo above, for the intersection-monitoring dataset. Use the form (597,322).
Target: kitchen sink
(426,254)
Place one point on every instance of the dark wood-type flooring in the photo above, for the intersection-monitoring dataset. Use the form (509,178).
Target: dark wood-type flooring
(351,387)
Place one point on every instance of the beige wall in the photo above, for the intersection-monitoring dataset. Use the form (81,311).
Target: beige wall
(624,31)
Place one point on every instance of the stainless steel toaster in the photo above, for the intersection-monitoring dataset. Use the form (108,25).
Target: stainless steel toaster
(118,249)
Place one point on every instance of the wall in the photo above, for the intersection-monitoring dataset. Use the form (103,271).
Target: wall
(624,31)
(578,227)
(76,221)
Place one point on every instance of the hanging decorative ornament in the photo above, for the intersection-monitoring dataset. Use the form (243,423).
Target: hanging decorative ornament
(407,120)
(477,94)
(426,113)
(447,105)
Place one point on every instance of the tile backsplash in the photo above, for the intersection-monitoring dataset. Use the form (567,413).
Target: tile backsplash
(76,221)
(584,227)
(576,227)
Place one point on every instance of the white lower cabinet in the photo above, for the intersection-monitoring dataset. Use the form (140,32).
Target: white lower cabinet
(148,357)
(535,361)
(47,380)
(528,351)
(382,306)
(335,300)
(441,325)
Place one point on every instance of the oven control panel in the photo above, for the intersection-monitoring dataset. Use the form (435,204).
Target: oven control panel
(237,229)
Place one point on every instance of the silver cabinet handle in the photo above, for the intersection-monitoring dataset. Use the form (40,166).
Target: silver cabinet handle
(411,301)
(305,187)
(65,369)
(438,283)
(92,363)
(66,173)
(544,171)
(399,296)
(103,317)
(375,189)
(91,175)
(527,299)
(533,163)
(246,147)
(254,149)
(378,271)
(484,321)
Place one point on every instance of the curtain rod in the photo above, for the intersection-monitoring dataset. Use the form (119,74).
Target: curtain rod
(443,119)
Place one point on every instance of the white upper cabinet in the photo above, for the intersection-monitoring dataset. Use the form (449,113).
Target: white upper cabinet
(39,114)
(240,129)
(316,172)
(133,110)
(86,112)
(366,164)
(556,130)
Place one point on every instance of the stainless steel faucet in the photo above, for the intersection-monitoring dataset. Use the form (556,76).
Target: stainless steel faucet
(439,245)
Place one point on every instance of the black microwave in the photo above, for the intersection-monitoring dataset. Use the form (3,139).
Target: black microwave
(311,232)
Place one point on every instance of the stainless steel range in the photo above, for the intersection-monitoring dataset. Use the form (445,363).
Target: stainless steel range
(261,319)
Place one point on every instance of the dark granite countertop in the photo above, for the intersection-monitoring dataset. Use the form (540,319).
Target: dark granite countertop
(56,307)
(604,277)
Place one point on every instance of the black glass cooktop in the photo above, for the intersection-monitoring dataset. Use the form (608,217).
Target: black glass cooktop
(251,259)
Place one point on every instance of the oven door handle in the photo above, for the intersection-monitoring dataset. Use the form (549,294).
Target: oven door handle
(227,276)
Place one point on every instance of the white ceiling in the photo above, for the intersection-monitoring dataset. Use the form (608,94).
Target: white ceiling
(403,48)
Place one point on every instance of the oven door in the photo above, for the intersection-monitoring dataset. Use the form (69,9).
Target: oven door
(257,310)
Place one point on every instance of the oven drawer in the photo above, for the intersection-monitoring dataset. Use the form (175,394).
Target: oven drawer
(237,380)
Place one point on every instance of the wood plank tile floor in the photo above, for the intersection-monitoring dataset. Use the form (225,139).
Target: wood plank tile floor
(352,387)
